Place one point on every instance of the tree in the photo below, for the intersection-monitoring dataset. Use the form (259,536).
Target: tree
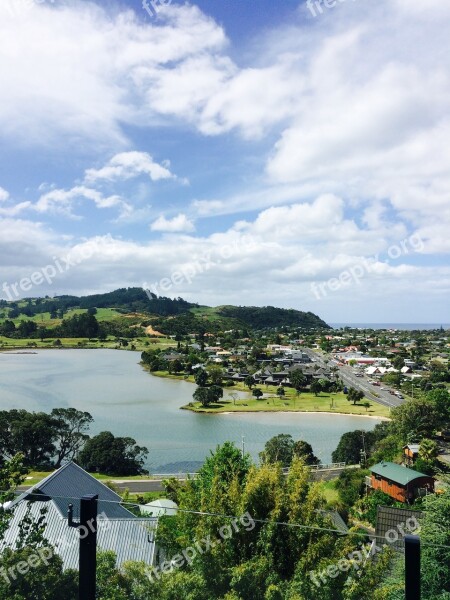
(398,362)
(257,393)
(201,377)
(202,395)
(47,580)
(32,434)
(355,395)
(215,393)
(249,381)
(216,375)
(441,401)
(304,451)
(351,445)
(280,392)
(415,420)
(111,455)
(234,396)
(175,366)
(70,427)
(426,461)
(435,538)
(315,387)
(297,379)
(12,474)
(350,486)
(280,448)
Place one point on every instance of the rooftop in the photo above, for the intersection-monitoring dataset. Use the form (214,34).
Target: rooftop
(397,473)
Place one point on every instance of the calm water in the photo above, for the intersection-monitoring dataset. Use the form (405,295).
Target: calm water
(125,399)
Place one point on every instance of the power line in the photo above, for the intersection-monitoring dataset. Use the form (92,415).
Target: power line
(225,516)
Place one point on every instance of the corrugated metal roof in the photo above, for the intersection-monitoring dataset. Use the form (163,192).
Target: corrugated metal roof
(396,473)
(68,484)
(130,538)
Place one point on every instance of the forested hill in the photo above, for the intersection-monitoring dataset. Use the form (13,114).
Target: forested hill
(170,316)
(124,300)
(268,316)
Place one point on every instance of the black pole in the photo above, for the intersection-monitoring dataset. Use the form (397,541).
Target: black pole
(88,547)
(412,567)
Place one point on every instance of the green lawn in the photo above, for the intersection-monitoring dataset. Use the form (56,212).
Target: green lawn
(141,343)
(306,402)
(36,476)
(329,490)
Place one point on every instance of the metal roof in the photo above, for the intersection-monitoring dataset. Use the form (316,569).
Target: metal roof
(396,473)
(130,538)
(68,484)
(413,447)
(389,518)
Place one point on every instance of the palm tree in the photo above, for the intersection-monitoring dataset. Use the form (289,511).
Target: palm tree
(428,450)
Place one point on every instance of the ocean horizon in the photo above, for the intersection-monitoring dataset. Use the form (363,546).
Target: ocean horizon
(400,326)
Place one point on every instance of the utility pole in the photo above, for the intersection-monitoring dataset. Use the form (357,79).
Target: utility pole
(363,451)
(412,567)
(87,529)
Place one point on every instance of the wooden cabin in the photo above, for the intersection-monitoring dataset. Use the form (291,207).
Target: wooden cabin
(401,483)
(411,453)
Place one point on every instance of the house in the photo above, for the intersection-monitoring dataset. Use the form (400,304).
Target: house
(119,530)
(398,482)
(411,453)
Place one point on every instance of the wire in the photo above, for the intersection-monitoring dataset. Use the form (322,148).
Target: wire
(233,517)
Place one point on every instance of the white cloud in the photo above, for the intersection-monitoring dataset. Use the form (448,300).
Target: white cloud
(180,223)
(82,72)
(4,195)
(127,165)
(63,201)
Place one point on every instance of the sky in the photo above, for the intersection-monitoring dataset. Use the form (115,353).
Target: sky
(248,152)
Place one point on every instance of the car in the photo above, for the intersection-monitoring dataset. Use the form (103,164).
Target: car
(359,375)
(400,396)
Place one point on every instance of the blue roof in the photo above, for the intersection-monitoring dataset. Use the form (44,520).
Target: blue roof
(68,484)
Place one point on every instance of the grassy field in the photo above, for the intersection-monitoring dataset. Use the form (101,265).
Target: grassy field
(291,402)
(36,476)
(328,489)
(332,403)
(208,313)
(103,314)
(141,343)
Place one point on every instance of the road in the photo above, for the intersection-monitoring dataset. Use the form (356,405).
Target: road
(360,383)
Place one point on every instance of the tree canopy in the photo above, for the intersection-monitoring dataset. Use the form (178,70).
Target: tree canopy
(111,455)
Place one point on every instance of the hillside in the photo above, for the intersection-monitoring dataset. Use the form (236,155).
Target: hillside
(268,316)
(170,316)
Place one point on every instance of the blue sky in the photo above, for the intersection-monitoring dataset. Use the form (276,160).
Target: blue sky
(247,152)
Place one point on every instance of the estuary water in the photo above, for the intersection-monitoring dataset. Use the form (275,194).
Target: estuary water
(128,401)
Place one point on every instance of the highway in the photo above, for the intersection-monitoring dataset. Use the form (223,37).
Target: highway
(350,379)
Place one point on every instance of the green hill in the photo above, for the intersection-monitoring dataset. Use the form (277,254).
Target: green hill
(170,316)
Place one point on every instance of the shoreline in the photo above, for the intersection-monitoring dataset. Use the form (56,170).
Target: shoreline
(299,412)
(285,412)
